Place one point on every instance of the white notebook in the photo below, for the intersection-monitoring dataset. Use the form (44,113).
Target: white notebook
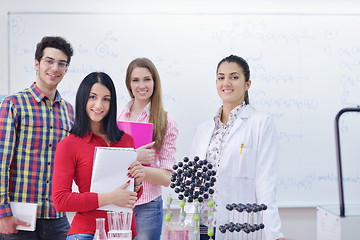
(25,212)
(110,172)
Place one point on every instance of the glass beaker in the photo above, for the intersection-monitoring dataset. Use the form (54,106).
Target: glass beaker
(119,225)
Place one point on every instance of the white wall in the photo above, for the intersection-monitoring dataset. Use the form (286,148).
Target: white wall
(298,223)
(143,6)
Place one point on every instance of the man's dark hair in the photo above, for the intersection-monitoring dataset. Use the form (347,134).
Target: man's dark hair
(53,42)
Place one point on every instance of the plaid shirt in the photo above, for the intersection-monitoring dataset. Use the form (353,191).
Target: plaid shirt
(30,128)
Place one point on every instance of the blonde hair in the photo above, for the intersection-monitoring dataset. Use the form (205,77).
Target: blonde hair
(158,116)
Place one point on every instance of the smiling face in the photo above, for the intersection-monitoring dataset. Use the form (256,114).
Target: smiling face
(49,76)
(231,84)
(142,84)
(98,104)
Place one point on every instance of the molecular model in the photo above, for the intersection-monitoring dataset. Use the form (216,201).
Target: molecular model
(248,218)
(175,231)
(192,181)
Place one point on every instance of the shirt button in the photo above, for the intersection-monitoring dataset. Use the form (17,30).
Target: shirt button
(46,199)
(49,163)
(51,127)
(50,145)
(47,181)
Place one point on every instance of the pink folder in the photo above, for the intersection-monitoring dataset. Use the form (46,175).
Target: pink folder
(141,132)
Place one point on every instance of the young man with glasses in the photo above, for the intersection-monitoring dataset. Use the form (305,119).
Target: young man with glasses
(32,122)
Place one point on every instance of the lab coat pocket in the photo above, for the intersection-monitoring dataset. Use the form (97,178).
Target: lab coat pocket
(246,165)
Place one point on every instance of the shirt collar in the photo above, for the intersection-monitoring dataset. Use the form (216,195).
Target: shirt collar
(233,114)
(88,136)
(92,137)
(39,95)
(146,108)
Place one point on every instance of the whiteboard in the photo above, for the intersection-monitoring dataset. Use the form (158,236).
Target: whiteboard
(304,69)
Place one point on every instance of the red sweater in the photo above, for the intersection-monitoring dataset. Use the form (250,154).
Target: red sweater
(74,161)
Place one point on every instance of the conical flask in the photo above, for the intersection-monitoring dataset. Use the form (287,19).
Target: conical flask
(100,233)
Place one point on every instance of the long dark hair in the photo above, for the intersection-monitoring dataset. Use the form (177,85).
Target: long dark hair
(244,65)
(82,124)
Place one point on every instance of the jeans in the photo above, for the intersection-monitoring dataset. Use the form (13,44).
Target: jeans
(149,218)
(46,229)
(79,236)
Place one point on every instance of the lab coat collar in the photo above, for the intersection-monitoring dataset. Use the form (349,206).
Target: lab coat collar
(244,114)
(209,127)
(235,113)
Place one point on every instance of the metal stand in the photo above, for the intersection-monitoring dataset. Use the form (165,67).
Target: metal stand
(332,223)
(338,155)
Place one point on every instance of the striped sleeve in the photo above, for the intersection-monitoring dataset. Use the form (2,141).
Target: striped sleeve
(166,154)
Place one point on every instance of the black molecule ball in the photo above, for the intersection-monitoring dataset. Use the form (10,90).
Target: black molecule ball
(192,179)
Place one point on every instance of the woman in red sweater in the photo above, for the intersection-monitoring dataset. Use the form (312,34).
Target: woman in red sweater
(94,126)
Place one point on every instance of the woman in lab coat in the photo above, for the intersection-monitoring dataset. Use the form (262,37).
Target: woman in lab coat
(242,144)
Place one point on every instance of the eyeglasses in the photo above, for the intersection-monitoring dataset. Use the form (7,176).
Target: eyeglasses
(50,62)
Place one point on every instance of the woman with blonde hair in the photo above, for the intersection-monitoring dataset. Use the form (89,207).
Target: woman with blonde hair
(144,87)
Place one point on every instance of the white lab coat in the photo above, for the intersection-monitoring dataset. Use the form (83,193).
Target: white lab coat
(249,177)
